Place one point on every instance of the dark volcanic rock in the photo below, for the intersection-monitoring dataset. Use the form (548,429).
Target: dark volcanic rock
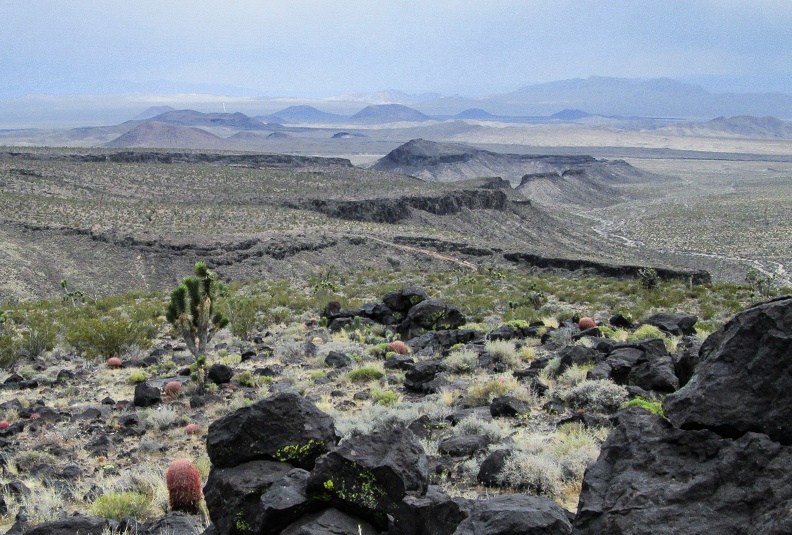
(219,374)
(508,406)
(434,315)
(369,475)
(233,495)
(84,525)
(516,514)
(490,469)
(173,523)
(463,445)
(421,378)
(283,427)
(433,514)
(436,341)
(676,324)
(743,381)
(285,502)
(330,522)
(403,299)
(146,395)
(338,360)
(642,363)
(653,478)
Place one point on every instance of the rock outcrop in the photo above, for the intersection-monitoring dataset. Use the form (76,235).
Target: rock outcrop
(719,464)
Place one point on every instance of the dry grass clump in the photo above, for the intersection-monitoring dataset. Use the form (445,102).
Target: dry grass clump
(503,351)
(552,464)
(462,361)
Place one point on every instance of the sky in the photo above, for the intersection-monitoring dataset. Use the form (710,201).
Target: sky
(318,48)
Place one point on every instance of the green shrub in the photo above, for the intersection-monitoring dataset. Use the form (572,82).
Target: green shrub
(245,378)
(364,374)
(9,350)
(655,407)
(38,334)
(646,331)
(242,316)
(648,278)
(108,336)
(117,505)
(384,397)
(137,377)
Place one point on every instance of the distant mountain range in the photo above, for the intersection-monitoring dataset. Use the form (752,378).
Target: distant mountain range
(235,131)
(661,97)
(742,126)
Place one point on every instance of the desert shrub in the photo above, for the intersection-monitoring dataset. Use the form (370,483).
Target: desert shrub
(288,350)
(242,316)
(364,374)
(38,335)
(107,336)
(655,407)
(575,374)
(384,397)
(483,393)
(596,395)
(473,425)
(161,418)
(117,505)
(502,351)
(648,278)
(137,377)
(646,331)
(462,360)
(561,337)
(535,471)
(245,378)
(9,350)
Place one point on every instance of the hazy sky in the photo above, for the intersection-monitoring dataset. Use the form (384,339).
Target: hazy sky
(322,48)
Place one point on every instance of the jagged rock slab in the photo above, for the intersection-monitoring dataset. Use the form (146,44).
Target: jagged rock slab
(743,381)
(653,478)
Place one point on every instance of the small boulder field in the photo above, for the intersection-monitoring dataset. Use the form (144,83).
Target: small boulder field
(417,412)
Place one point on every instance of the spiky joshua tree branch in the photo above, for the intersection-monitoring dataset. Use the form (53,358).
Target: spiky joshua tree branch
(191,312)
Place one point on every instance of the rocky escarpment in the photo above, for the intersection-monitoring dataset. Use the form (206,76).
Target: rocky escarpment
(168,157)
(721,461)
(394,210)
(607,270)
(448,162)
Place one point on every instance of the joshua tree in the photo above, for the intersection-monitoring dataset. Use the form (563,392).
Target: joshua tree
(191,312)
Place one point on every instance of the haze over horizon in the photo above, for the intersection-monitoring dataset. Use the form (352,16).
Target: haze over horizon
(310,48)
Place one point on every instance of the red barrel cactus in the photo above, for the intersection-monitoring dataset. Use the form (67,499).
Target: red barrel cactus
(173,389)
(113,362)
(397,346)
(586,323)
(184,486)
